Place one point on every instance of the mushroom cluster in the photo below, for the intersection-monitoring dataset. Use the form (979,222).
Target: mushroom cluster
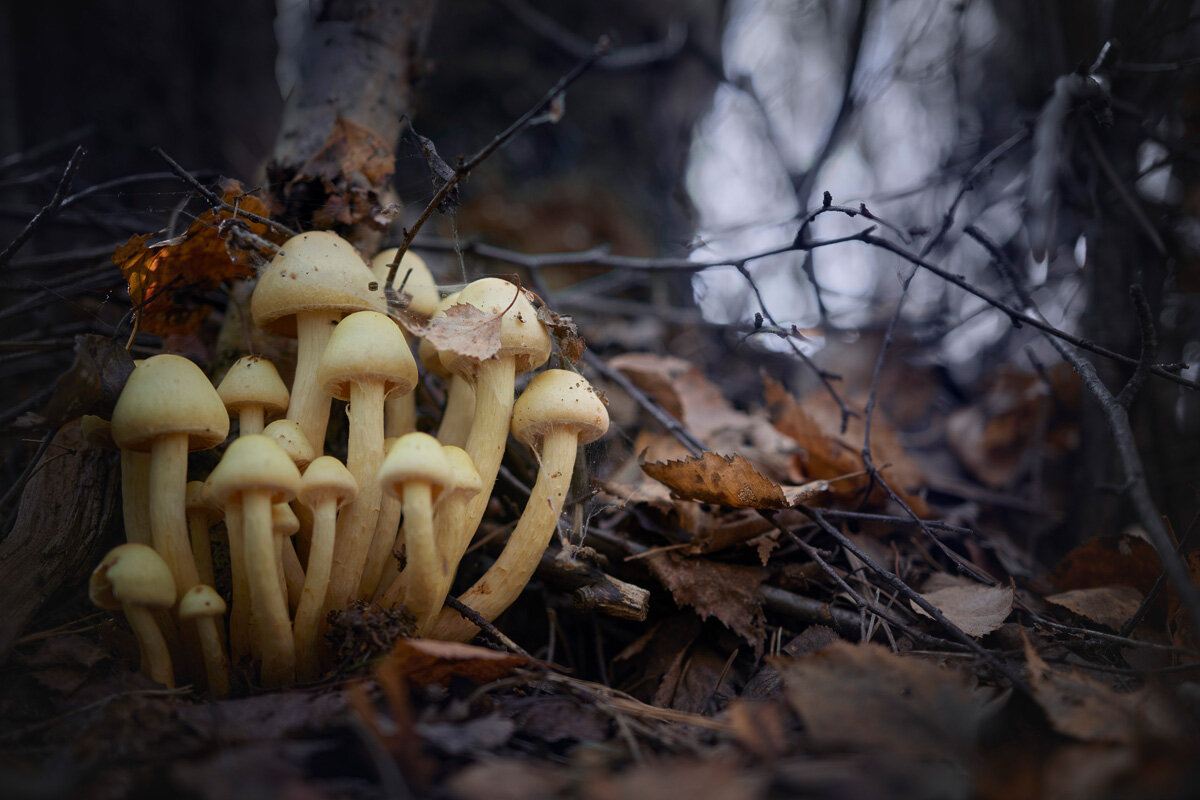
(306,532)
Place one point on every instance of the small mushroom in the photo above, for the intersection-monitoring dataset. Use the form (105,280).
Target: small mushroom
(252,390)
(256,470)
(460,396)
(325,487)
(136,579)
(416,470)
(400,411)
(284,524)
(365,362)
(168,407)
(311,283)
(203,608)
(557,412)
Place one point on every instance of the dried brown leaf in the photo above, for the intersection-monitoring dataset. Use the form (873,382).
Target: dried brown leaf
(729,481)
(426,661)
(464,329)
(352,153)
(1108,561)
(729,592)
(1108,605)
(1084,708)
(977,609)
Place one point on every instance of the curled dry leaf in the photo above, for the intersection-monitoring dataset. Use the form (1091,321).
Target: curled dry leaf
(977,609)
(729,592)
(464,330)
(166,280)
(426,661)
(729,481)
(1108,605)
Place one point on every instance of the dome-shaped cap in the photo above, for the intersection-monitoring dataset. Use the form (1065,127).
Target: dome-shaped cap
(200,502)
(466,477)
(201,601)
(327,477)
(288,434)
(420,283)
(415,457)
(168,394)
(284,521)
(134,574)
(366,346)
(253,381)
(315,271)
(522,335)
(558,398)
(254,462)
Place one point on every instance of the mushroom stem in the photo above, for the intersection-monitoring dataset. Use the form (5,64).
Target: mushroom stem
(422,578)
(215,666)
(381,567)
(316,584)
(251,420)
(503,582)
(135,496)
(168,514)
(309,406)
(198,533)
(156,658)
(239,610)
(355,528)
(400,414)
(270,609)
(460,408)
(293,573)
(457,520)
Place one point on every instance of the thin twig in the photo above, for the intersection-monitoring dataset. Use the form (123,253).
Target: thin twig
(214,200)
(478,620)
(1149,347)
(50,209)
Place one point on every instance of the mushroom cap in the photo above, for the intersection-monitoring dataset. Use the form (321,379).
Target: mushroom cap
(523,338)
(429,355)
(420,284)
(97,432)
(168,394)
(315,271)
(466,478)
(558,398)
(288,434)
(325,478)
(253,381)
(199,502)
(367,346)
(415,457)
(284,521)
(254,463)
(134,574)
(201,601)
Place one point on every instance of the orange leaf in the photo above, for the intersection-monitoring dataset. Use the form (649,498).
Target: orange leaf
(427,661)
(729,481)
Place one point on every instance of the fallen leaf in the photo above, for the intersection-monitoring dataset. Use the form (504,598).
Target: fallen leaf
(905,712)
(1124,560)
(463,329)
(729,481)
(977,610)
(1108,605)
(561,718)
(426,661)
(1086,709)
(166,280)
(729,592)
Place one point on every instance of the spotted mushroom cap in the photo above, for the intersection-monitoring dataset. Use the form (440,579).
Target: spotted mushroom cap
(168,394)
(253,381)
(557,398)
(288,434)
(523,337)
(315,271)
(201,601)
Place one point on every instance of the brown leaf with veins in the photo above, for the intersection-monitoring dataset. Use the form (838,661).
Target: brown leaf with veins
(729,481)
(464,330)
(729,592)
(427,661)
(976,609)
(1108,605)
(166,280)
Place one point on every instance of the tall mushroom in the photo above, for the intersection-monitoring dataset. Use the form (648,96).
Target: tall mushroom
(136,579)
(314,280)
(203,608)
(400,411)
(524,345)
(386,538)
(365,361)
(557,412)
(202,514)
(460,397)
(135,479)
(258,472)
(417,471)
(168,407)
(325,487)
(288,435)
(252,390)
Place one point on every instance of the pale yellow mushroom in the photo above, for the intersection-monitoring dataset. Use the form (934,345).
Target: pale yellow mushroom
(400,411)
(460,396)
(252,390)
(203,608)
(202,514)
(135,479)
(136,579)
